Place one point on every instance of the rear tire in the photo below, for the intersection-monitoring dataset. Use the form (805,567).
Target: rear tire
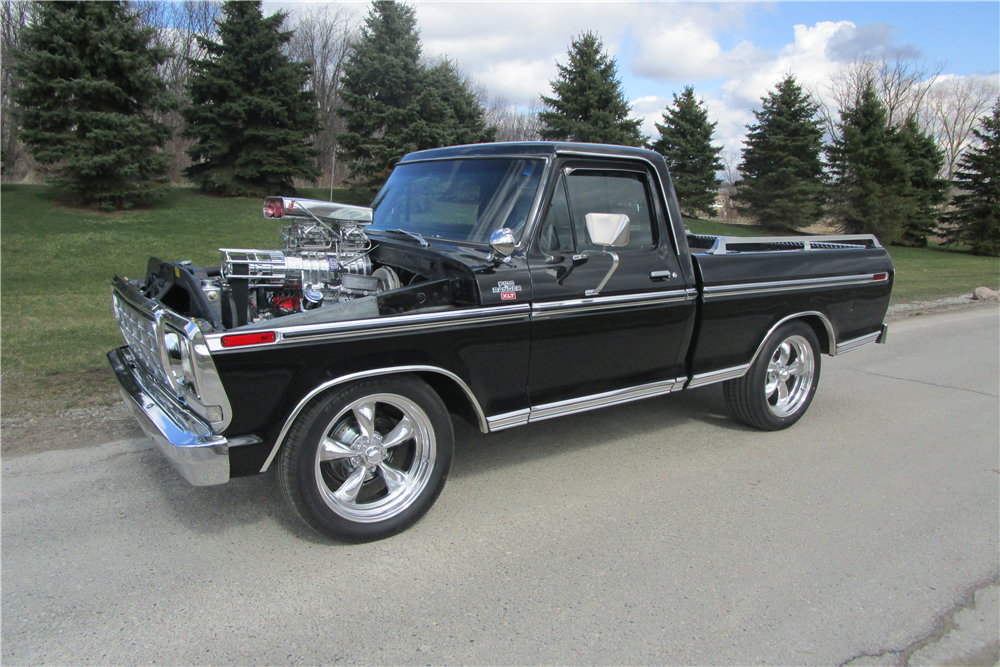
(366,461)
(780,384)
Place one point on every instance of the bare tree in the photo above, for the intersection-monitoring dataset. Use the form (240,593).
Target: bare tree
(730,166)
(178,27)
(901,84)
(15,161)
(730,178)
(512,122)
(951,110)
(323,38)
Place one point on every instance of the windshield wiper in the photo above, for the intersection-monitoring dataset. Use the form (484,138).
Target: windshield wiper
(412,235)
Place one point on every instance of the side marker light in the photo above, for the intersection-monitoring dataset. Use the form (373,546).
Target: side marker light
(239,340)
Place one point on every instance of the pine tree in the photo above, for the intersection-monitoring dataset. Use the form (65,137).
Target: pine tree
(89,92)
(924,192)
(783,182)
(250,116)
(380,85)
(869,172)
(394,105)
(976,217)
(589,104)
(686,143)
(449,113)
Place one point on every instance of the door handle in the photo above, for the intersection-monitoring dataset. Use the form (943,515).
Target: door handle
(661,275)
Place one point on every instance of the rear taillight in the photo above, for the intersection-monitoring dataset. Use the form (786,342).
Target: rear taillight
(239,340)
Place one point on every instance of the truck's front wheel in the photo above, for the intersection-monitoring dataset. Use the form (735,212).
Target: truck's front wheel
(368,460)
(781,382)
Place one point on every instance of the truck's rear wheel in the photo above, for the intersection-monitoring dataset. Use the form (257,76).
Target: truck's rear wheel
(368,460)
(781,382)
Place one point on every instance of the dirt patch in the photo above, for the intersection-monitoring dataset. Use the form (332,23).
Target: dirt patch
(67,429)
(902,311)
(26,395)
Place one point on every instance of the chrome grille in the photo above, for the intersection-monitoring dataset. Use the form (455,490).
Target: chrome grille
(139,331)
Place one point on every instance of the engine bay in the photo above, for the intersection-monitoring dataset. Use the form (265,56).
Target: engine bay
(326,264)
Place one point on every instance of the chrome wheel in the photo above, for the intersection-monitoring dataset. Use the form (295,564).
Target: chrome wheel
(789,376)
(781,381)
(375,457)
(367,460)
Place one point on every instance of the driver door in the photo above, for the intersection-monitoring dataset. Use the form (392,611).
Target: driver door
(628,340)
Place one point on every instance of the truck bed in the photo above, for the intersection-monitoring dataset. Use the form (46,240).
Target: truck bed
(747,285)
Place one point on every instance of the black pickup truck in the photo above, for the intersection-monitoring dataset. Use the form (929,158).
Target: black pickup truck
(505,283)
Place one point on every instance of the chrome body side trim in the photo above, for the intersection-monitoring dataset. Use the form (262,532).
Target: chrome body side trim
(721,375)
(508,420)
(601,303)
(395,370)
(200,456)
(733,372)
(861,341)
(392,324)
(606,399)
(723,244)
(720,291)
(244,440)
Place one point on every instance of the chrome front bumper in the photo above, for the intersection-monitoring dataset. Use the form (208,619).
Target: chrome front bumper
(201,457)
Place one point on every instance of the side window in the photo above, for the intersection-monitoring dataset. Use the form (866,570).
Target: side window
(612,192)
(557,230)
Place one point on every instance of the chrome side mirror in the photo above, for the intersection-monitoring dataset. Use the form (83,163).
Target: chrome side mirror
(608,229)
(502,244)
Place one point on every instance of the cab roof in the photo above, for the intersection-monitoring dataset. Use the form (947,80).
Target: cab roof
(525,148)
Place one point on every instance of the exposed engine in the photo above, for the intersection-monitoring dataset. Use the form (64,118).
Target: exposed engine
(328,271)
(325,259)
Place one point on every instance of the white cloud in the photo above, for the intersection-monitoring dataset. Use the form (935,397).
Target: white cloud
(519,81)
(512,49)
(809,58)
(806,58)
(650,110)
(686,50)
(731,120)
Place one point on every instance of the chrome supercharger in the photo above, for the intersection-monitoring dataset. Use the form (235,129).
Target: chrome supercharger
(324,259)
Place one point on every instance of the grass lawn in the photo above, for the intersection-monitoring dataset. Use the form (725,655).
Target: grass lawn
(56,264)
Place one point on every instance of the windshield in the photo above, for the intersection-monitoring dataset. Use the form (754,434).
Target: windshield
(461,200)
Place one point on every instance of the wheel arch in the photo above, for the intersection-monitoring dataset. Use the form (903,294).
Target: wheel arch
(817,321)
(455,393)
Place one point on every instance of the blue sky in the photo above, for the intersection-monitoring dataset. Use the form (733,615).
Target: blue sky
(962,33)
(732,52)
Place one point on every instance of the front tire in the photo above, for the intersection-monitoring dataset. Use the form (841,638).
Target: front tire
(781,382)
(366,461)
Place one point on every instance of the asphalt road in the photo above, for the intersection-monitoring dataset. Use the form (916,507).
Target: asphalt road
(656,532)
